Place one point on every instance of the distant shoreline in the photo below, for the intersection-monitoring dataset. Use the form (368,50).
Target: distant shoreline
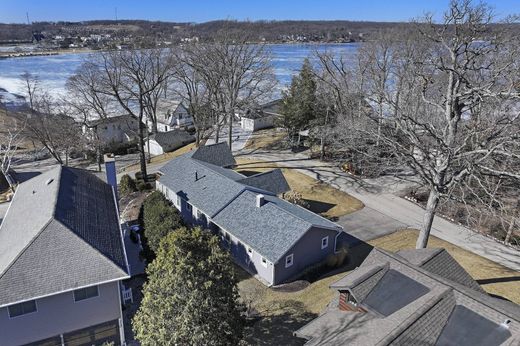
(15,55)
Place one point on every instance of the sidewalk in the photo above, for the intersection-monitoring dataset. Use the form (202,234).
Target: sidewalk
(378,195)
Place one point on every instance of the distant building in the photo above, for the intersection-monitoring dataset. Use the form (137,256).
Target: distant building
(261,117)
(172,114)
(62,259)
(413,297)
(164,142)
(121,129)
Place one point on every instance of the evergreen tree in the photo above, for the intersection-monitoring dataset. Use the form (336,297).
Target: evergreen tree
(191,296)
(159,219)
(299,104)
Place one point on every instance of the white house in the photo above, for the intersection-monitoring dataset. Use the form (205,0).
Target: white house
(261,117)
(172,114)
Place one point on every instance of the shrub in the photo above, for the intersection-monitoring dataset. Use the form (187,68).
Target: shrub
(127,185)
(336,260)
(296,198)
(159,218)
(141,185)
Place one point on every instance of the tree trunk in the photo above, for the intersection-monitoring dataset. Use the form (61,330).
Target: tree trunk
(429,215)
(142,151)
(510,230)
(230,134)
(322,148)
(98,157)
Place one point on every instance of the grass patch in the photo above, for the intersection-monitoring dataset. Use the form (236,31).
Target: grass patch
(163,157)
(323,198)
(266,139)
(493,277)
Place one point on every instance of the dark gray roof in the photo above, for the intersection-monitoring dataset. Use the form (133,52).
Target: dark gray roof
(110,120)
(221,194)
(272,181)
(440,262)
(444,307)
(173,139)
(217,154)
(61,232)
(394,291)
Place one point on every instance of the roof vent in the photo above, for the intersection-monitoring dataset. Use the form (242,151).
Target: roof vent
(506,323)
(48,182)
(260,200)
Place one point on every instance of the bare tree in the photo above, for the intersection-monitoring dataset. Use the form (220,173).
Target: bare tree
(444,102)
(11,137)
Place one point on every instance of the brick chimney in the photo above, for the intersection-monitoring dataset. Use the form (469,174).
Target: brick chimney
(110,168)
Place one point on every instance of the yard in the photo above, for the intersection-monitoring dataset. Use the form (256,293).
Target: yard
(322,198)
(164,157)
(282,313)
(266,139)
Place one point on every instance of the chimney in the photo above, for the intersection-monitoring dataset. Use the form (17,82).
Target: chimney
(260,200)
(110,168)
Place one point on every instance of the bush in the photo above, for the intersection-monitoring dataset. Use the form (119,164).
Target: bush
(159,218)
(141,185)
(336,260)
(127,185)
(296,198)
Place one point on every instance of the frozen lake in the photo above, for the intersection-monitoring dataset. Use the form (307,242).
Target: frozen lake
(53,71)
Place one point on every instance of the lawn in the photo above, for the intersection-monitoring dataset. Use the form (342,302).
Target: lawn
(323,198)
(282,313)
(266,139)
(163,157)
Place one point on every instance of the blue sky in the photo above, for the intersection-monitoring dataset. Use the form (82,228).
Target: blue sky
(12,11)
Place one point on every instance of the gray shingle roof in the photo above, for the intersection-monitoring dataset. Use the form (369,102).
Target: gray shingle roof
(217,154)
(221,194)
(270,230)
(61,232)
(272,181)
(173,139)
(423,320)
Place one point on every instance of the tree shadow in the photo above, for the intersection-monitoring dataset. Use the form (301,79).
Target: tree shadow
(498,280)
(278,327)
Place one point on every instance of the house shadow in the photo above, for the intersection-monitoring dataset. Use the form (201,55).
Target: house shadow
(319,207)
(278,327)
(22,177)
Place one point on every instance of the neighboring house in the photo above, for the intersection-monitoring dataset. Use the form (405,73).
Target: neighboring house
(121,129)
(261,117)
(172,115)
(61,262)
(164,142)
(414,297)
(271,238)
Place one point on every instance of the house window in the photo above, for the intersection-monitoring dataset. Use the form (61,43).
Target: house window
(178,201)
(249,251)
(196,213)
(289,260)
(22,308)
(227,237)
(85,293)
(188,207)
(264,262)
(325,242)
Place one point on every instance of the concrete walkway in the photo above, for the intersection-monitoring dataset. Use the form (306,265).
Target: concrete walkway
(385,209)
(240,137)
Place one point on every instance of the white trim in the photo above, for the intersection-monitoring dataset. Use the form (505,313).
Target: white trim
(66,291)
(291,256)
(121,231)
(32,312)
(326,242)
(336,242)
(121,324)
(264,262)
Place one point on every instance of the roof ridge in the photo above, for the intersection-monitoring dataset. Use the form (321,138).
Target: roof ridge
(26,247)
(58,187)
(373,271)
(413,317)
(92,247)
(435,253)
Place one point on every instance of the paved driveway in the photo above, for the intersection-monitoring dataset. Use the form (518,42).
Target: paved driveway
(367,224)
(3,211)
